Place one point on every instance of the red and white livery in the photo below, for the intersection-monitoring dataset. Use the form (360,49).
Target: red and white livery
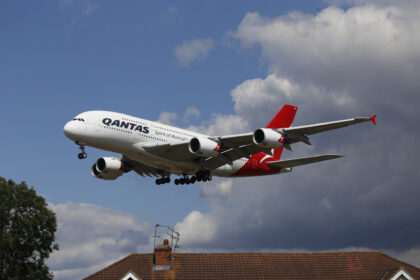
(158,150)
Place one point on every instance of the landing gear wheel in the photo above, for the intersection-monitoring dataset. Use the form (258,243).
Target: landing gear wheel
(207,173)
(82,154)
(193,179)
(176,181)
(199,175)
(182,181)
(167,180)
(157,181)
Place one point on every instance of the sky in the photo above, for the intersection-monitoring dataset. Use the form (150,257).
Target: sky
(218,67)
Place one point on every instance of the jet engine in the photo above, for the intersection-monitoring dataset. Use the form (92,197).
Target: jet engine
(108,168)
(204,147)
(268,138)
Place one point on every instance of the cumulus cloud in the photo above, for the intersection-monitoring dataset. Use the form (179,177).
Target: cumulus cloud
(192,50)
(168,118)
(333,65)
(91,237)
(172,10)
(190,113)
(171,118)
(222,125)
(79,8)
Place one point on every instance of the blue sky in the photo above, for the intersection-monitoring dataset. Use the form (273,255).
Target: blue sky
(230,65)
(64,59)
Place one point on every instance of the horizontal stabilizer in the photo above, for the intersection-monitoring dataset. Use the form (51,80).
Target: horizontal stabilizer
(300,161)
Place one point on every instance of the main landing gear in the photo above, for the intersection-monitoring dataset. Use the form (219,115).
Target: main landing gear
(201,175)
(81,155)
(163,180)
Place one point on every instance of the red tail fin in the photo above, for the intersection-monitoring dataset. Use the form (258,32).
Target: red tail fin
(283,118)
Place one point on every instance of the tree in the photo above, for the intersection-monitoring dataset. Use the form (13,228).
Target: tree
(27,232)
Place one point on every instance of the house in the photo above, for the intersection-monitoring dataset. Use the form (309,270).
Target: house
(162,264)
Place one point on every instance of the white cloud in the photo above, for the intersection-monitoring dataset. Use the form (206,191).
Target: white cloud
(223,188)
(90,237)
(168,118)
(222,125)
(197,228)
(172,10)
(89,9)
(258,100)
(191,112)
(79,8)
(333,65)
(193,50)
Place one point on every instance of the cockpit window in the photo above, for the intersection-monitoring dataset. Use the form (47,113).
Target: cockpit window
(78,119)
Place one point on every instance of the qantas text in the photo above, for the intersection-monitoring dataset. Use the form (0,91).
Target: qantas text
(123,124)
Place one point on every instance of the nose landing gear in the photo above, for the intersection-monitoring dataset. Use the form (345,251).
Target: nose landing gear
(82,154)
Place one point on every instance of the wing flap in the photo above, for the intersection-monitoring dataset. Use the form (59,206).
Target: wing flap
(300,161)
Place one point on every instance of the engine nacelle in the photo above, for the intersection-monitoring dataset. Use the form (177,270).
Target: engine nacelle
(204,147)
(268,138)
(108,168)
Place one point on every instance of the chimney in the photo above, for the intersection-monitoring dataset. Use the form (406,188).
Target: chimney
(162,256)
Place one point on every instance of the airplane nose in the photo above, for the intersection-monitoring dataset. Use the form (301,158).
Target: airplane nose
(70,129)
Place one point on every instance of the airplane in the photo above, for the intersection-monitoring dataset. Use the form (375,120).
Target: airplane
(158,150)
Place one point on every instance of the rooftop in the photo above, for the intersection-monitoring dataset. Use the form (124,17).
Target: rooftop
(331,265)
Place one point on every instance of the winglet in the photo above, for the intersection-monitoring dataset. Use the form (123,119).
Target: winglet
(373,119)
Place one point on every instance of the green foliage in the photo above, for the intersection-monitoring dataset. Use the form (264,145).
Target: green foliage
(27,229)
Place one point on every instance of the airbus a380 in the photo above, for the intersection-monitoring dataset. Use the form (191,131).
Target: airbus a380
(158,150)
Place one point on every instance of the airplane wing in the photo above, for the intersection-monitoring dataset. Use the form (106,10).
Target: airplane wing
(230,150)
(300,161)
(321,127)
(299,133)
(143,169)
(233,147)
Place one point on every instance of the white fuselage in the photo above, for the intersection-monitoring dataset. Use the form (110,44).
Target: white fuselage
(127,135)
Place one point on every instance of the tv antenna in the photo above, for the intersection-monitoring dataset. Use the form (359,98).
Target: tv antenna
(174,236)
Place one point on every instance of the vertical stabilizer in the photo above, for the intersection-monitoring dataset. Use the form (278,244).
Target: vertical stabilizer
(283,119)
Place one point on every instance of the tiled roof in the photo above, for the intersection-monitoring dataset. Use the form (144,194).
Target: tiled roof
(338,265)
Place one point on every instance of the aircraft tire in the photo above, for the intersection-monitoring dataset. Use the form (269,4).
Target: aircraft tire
(193,179)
